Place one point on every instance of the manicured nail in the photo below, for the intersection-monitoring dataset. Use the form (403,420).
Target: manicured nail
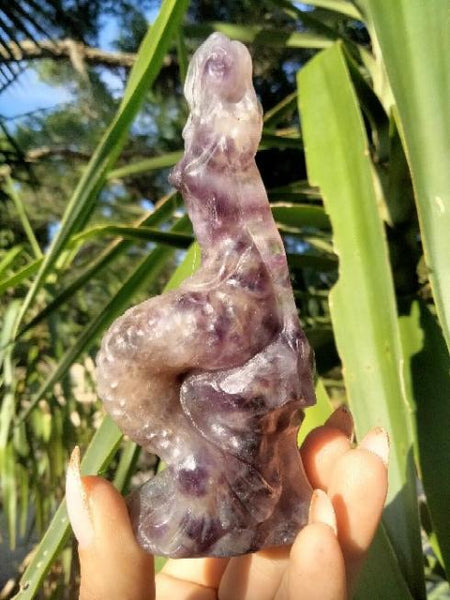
(377,441)
(342,419)
(321,510)
(77,502)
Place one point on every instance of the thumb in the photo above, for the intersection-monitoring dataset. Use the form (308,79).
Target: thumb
(113,565)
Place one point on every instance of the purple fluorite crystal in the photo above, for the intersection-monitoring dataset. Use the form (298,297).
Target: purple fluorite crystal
(213,377)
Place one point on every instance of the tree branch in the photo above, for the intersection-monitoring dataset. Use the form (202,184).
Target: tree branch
(37,154)
(66,49)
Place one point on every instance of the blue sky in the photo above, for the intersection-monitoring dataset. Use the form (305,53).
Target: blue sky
(29,93)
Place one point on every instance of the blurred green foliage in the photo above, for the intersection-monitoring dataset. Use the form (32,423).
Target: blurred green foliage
(89,227)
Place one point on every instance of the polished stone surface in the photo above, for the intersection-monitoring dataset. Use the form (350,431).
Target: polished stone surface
(213,377)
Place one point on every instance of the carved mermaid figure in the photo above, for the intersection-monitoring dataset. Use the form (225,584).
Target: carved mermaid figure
(213,377)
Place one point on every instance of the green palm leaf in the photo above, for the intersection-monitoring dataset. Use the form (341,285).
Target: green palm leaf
(362,303)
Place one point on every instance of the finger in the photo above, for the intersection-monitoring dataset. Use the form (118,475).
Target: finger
(357,489)
(171,588)
(342,419)
(112,564)
(316,569)
(324,445)
(254,575)
(186,578)
(263,571)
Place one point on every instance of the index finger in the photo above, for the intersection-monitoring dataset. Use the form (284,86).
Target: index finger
(324,445)
(112,564)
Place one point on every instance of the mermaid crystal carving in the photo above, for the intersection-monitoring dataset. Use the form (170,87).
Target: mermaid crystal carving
(213,377)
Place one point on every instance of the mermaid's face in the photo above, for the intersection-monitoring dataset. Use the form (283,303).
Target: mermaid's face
(222,69)
(225,116)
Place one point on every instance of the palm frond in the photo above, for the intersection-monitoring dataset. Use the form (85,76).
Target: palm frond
(22,20)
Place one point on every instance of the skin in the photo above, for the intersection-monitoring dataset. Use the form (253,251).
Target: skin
(343,518)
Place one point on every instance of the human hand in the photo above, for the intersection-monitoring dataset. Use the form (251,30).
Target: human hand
(350,489)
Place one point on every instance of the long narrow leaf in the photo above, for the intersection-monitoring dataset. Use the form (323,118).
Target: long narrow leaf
(148,164)
(20,276)
(300,215)
(9,256)
(415,43)
(148,234)
(362,303)
(12,192)
(429,371)
(381,576)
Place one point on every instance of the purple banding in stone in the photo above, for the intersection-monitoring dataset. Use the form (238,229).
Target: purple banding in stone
(214,376)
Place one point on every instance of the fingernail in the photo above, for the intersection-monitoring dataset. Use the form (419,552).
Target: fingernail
(342,419)
(377,442)
(321,510)
(77,502)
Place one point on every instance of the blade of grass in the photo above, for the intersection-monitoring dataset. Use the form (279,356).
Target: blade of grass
(144,72)
(149,164)
(362,303)
(9,257)
(11,191)
(415,44)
